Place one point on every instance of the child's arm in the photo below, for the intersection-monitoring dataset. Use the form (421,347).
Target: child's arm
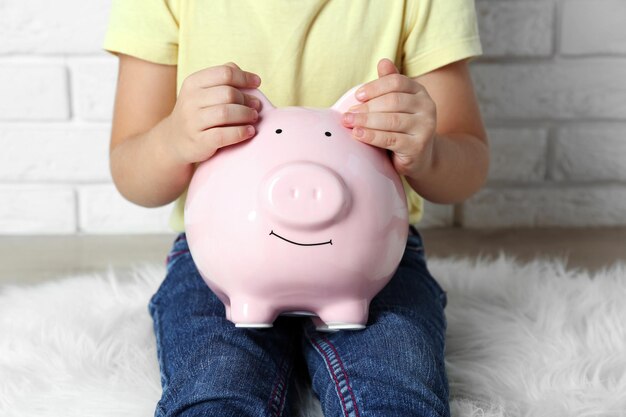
(460,161)
(156,138)
(433,127)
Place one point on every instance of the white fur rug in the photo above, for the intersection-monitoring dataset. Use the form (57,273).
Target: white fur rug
(523,340)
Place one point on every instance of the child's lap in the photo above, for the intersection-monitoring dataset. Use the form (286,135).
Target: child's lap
(202,356)
(411,296)
(396,364)
(195,341)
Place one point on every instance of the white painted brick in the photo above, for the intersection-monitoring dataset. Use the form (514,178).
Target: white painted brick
(567,89)
(36,209)
(436,215)
(517,154)
(93,87)
(104,211)
(53,152)
(594,152)
(33,92)
(44,27)
(551,206)
(514,28)
(593,27)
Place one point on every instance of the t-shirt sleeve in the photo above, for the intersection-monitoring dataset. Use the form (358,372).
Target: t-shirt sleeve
(146,29)
(437,33)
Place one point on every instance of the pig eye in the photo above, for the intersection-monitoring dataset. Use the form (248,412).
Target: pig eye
(279,131)
(327,134)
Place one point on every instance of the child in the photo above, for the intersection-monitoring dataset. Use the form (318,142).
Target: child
(182,64)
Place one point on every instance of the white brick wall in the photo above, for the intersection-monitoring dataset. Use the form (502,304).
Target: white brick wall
(36,91)
(594,27)
(42,27)
(551,85)
(37,209)
(547,206)
(590,152)
(103,210)
(511,28)
(552,89)
(93,87)
(54,152)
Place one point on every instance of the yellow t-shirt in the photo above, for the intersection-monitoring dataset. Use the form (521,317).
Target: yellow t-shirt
(307,52)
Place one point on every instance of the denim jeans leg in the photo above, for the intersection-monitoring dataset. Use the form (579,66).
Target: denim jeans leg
(395,366)
(208,366)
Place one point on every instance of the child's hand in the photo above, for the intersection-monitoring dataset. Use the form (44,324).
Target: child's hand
(211,112)
(396,114)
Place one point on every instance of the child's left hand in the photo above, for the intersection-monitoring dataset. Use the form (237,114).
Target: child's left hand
(396,114)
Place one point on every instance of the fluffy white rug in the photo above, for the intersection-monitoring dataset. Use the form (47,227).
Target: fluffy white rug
(523,340)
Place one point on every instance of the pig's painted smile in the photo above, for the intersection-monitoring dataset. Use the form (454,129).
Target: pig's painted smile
(301,244)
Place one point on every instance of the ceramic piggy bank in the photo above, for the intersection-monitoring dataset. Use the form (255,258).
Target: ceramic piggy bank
(301,219)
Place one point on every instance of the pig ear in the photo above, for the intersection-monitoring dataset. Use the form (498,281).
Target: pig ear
(266,105)
(347,100)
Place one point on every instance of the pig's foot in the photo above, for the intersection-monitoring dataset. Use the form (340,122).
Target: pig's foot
(347,315)
(251,313)
(320,326)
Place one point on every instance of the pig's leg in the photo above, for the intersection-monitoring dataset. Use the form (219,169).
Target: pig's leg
(252,312)
(345,315)
(227,311)
(225,300)
(320,326)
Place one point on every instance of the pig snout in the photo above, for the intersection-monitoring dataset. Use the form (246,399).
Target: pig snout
(304,195)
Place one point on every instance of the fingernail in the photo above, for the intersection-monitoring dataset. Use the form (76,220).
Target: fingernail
(348,117)
(360,94)
(358,132)
(357,108)
(256,80)
(255,103)
(255,114)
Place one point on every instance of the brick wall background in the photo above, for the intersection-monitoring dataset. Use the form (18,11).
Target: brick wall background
(551,85)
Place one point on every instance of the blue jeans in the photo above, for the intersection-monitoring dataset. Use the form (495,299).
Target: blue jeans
(394,367)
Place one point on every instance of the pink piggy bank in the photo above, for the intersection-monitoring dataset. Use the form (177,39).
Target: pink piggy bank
(301,219)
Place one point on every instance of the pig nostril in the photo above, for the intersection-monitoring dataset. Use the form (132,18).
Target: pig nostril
(294,193)
(317,193)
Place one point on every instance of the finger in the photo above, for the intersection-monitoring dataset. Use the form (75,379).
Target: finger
(394,141)
(218,137)
(387,84)
(227,114)
(386,67)
(253,102)
(225,75)
(255,79)
(223,94)
(392,122)
(389,103)
(232,64)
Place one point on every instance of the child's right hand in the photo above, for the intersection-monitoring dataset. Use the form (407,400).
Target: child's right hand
(211,112)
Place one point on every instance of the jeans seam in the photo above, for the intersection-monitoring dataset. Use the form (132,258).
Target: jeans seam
(281,385)
(331,369)
(356,410)
(173,255)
